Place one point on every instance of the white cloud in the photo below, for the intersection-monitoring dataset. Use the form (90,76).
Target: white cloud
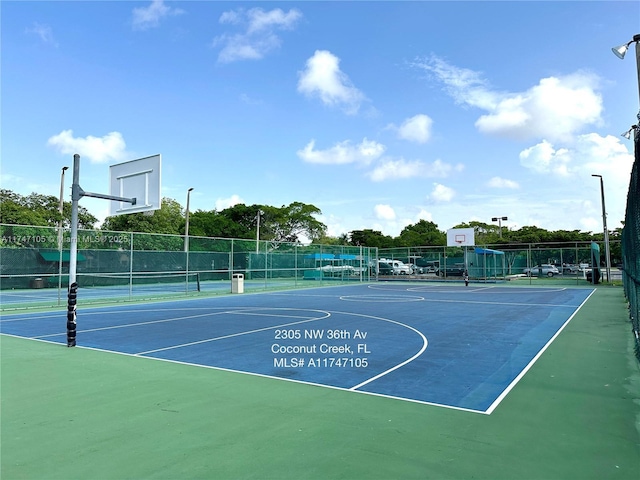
(323,78)
(499,182)
(149,17)
(416,129)
(384,212)
(259,35)
(423,215)
(260,21)
(441,193)
(390,169)
(344,152)
(96,149)
(543,158)
(394,169)
(569,169)
(44,32)
(246,99)
(589,152)
(224,203)
(556,108)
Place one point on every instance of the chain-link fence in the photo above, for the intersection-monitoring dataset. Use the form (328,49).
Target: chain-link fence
(566,262)
(631,244)
(36,260)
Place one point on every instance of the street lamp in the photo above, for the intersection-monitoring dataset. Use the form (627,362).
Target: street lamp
(622,50)
(499,220)
(61,210)
(606,231)
(186,226)
(260,212)
(61,207)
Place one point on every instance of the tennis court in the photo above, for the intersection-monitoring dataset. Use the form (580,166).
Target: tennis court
(448,345)
(113,409)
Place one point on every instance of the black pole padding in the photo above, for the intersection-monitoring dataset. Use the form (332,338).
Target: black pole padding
(71,314)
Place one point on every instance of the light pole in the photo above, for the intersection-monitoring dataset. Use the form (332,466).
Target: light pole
(186,226)
(260,212)
(499,220)
(622,50)
(606,231)
(61,207)
(61,210)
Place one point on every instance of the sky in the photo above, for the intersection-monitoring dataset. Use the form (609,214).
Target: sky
(381,114)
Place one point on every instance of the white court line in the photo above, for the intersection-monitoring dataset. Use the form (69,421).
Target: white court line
(505,392)
(409,360)
(137,324)
(260,375)
(213,339)
(164,320)
(508,304)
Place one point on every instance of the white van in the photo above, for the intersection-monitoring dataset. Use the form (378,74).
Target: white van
(400,268)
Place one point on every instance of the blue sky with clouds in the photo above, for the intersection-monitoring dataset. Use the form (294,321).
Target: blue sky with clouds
(379,113)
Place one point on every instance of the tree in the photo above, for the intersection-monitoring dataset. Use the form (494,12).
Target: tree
(168,220)
(285,224)
(225,224)
(370,238)
(340,240)
(487,234)
(422,233)
(40,210)
(295,220)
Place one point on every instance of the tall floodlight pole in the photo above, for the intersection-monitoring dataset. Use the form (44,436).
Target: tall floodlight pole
(260,212)
(61,207)
(499,220)
(622,50)
(606,231)
(620,53)
(61,210)
(186,225)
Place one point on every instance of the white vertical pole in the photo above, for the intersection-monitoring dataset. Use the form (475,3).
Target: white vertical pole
(258,232)
(131,266)
(60,235)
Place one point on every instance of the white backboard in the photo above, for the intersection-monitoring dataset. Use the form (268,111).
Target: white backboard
(461,237)
(139,179)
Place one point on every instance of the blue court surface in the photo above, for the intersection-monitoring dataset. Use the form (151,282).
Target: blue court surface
(448,345)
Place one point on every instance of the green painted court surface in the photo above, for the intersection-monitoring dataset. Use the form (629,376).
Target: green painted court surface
(78,413)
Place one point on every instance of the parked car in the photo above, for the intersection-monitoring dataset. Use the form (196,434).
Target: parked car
(545,269)
(426,266)
(416,269)
(400,268)
(383,268)
(568,269)
(455,270)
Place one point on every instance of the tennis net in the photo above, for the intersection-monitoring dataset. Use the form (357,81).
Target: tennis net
(152,281)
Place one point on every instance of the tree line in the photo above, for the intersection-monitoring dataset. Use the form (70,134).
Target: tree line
(295,222)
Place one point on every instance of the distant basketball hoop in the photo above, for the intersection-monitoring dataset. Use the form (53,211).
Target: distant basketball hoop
(461,237)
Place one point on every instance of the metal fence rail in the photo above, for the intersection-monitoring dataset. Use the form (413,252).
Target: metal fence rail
(31,259)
